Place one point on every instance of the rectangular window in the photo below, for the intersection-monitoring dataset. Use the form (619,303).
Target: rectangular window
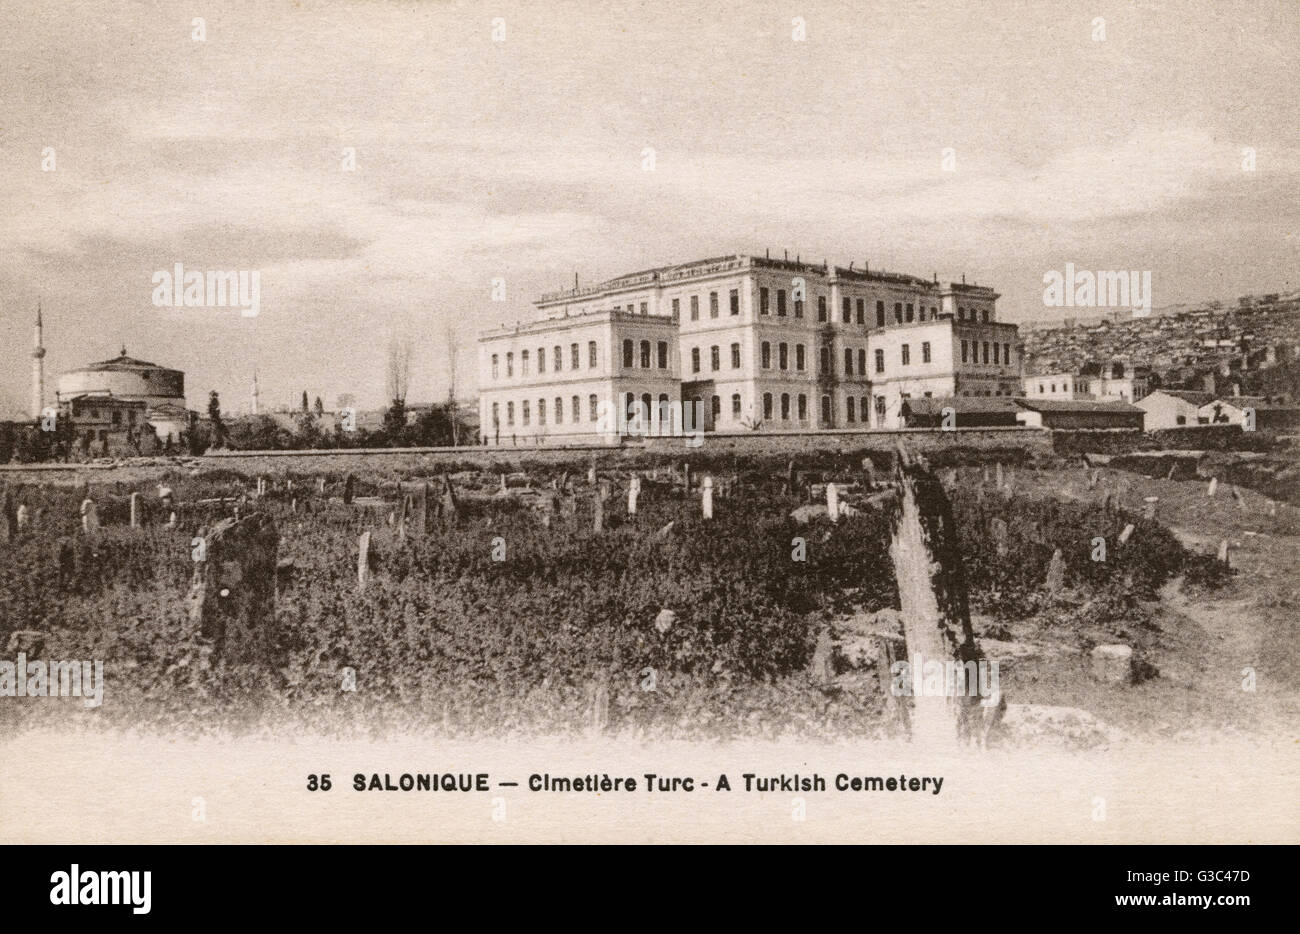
(798,307)
(645,355)
(523,363)
(767,355)
(541,359)
(846,310)
(785,406)
(735,301)
(695,308)
(713,304)
(495,367)
(735,356)
(662,351)
(763,308)
(826,361)
(541,411)
(880,314)
(799,362)
(803,407)
(510,365)
(1006,356)
(695,359)
(575,409)
(591,354)
(821,308)
(525,411)
(627,354)
(849,409)
(985,316)
(780,303)
(559,410)
(783,356)
(910,313)
(575,358)
(862,362)
(925,352)
(677,309)
(558,356)
(510,414)
(862,313)
(964,355)
(848,361)
(907,355)
(767,405)
(996,348)
(898,312)
(592,407)
(986,353)
(880,361)
(735,405)
(496,413)
(715,358)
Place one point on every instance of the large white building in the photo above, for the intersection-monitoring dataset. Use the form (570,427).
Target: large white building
(760,343)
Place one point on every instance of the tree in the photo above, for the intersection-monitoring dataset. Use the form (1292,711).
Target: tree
(214,416)
(399,369)
(305,408)
(320,408)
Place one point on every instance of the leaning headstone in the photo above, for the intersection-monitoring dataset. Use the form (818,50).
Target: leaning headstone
(832,502)
(420,509)
(1223,552)
(633,493)
(233,595)
(598,510)
(1126,534)
(706,499)
(1055,574)
(171,521)
(450,505)
(869,473)
(349,489)
(1236,495)
(1151,501)
(22,523)
(1214,485)
(822,667)
(89,516)
(997,474)
(135,510)
(320,485)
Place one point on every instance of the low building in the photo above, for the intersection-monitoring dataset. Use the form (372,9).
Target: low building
(1235,410)
(1057,386)
(960,412)
(1078,413)
(106,426)
(1173,408)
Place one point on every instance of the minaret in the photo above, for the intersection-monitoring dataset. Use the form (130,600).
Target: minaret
(255,392)
(38,369)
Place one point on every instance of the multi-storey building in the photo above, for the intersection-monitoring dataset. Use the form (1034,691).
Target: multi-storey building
(759,343)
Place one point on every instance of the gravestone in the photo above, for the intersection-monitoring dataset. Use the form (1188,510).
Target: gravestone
(363,561)
(233,595)
(1055,574)
(135,510)
(349,490)
(998,532)
(89,517)
(706,498)
(832,502)
(1214,485)
(22,523)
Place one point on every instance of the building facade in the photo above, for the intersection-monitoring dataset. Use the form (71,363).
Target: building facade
(754,343)
(162,390)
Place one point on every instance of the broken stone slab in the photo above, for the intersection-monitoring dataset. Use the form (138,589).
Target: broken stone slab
(1112,664)
(805,514)
(30,642)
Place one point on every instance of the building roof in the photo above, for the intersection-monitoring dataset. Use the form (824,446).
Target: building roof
(122,362)
(1195,398)
(962,405)
(1077,405)
(107,399)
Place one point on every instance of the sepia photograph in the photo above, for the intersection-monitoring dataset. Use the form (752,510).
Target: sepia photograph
(620,422)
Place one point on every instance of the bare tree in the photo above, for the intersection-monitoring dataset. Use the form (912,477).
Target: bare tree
(399,369)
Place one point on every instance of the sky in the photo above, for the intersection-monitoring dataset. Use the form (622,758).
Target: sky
(526,160)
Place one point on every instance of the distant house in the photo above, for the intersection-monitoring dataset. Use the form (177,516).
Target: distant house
(1173,408)
(1078,413)
(1232,411)
(967,412)
(108,425)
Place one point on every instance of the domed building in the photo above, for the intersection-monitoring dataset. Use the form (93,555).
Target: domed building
(128,379)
